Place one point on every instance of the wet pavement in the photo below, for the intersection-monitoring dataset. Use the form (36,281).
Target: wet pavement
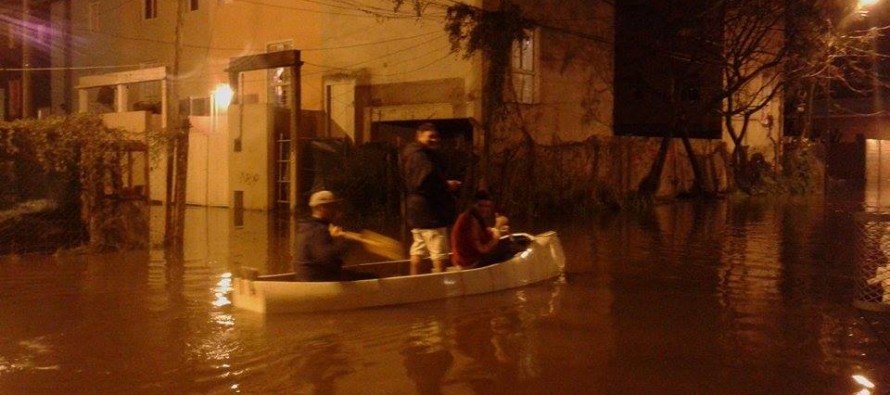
(724,297)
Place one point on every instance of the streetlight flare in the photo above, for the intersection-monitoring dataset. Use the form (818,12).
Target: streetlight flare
(222,95)
(863,381)
(863,6)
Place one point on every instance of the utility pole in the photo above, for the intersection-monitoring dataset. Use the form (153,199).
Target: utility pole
(177,147)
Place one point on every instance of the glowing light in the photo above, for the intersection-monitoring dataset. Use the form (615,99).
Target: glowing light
(864,391)
(863,381)
(225,283)
(221,300)
(863,6)
(222,95)
(223,287)
(223,319)
(525,253)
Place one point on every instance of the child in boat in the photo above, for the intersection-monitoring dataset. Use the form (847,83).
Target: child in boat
(473,242)
(321,245)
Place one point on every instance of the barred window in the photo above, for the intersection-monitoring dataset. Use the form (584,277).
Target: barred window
(525,68)
(279,78)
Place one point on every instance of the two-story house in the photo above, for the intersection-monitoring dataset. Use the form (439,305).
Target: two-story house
(367,71)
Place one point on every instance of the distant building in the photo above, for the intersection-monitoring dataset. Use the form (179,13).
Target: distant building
(368,73)
(26,39)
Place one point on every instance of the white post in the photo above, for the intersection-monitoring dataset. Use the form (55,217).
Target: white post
(83,98)
(120,98)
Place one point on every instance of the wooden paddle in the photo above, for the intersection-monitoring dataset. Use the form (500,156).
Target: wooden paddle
(378,244)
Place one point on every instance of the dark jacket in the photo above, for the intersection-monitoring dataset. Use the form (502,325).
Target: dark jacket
(429,202)
(318,256)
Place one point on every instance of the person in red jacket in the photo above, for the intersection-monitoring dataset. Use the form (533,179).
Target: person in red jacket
(473,242)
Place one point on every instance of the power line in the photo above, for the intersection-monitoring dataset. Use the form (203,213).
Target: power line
(72,68)
(416,69)
(210,47)
(327,67)
(363,12)
(351,66)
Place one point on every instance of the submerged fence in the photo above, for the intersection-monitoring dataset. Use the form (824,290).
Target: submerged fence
(873,248)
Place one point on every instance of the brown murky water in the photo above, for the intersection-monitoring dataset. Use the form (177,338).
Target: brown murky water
(722,297)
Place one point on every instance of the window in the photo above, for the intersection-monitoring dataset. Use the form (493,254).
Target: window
(525,68)
(193,5)
(93,15)
(199,106)
(151,9)
(279,78)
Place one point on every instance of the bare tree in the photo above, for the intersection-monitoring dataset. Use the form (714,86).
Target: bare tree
(838,57)
(730,59)
(713,65)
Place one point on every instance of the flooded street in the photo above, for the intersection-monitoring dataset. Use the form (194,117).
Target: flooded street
(719,297)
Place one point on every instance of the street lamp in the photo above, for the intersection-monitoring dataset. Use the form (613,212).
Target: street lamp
(862,6)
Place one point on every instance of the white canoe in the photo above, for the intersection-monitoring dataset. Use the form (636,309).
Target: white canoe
(543,259)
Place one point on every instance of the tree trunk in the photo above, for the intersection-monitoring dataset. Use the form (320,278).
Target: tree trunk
(740,166)
(650,184)
(697,176)
(808,116)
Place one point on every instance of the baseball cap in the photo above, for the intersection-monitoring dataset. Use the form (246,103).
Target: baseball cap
(322,197)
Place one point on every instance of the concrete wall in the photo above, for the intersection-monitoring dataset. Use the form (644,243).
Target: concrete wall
(575,44)
(363,44)
(208,170)
(249,169)
(338,44)
(621,163)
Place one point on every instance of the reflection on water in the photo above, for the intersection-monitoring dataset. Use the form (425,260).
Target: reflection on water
(317,363)
(427,357)
(717,297)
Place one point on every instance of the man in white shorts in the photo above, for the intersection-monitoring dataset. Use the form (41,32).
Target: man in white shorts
(431,207)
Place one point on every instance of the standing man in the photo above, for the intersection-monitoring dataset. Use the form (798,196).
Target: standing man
(430,203)
(321,245)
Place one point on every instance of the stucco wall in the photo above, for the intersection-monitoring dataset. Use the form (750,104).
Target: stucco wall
(573,177)
(249,168)
(576,69)
(208,170)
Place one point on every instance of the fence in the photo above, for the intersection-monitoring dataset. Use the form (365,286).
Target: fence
(873,247)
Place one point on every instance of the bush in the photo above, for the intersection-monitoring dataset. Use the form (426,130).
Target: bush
(76,162)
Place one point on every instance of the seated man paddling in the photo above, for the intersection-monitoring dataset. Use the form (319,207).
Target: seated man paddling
(473,242)
(321,245)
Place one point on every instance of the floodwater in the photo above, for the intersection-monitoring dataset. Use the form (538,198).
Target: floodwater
(696,298)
